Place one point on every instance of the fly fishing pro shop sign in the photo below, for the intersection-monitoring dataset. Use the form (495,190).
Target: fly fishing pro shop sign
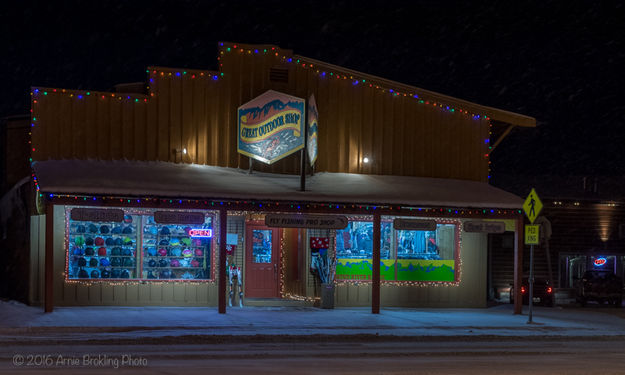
(271,126)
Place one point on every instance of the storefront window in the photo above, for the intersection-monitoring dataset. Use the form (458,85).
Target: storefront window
(405,255)
(261,248)
(103,244)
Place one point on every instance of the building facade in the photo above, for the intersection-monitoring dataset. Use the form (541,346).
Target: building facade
(144,198)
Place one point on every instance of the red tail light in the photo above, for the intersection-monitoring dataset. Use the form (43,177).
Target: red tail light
(522,289)
(549,290)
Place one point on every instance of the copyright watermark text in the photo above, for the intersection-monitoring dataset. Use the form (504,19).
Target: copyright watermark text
(86,360)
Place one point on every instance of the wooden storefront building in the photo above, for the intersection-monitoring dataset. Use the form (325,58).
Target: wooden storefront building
(134,186)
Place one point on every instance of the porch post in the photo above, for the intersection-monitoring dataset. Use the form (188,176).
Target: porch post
(375,279)
(518,264)
(223,229)
(49,260)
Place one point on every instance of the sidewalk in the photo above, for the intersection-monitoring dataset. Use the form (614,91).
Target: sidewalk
(21,321)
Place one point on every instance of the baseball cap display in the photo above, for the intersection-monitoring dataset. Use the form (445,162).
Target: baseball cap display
(102,249)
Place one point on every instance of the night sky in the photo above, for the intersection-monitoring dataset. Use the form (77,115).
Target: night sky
(562,63)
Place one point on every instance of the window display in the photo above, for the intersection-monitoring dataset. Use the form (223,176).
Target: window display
(261,246)
(405,255)
(176,251)
(102,245)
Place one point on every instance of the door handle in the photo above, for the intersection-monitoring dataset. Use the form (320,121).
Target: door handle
(275,270)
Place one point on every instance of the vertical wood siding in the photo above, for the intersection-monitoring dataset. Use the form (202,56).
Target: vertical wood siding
(191,109)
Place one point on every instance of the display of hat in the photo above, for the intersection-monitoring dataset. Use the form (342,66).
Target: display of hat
(104,229)
(152,230)
(104,273)
(175,263)
(127,240)
(77,251)
(95,274)
(99,241)
(152,251)
(116,251)
(127,219)
(165,274)
(152,263)
(115,273)
(115,262)
(163,242)
(197,242)
(162,263)
(89,251)
(199,252)
(151,275)
(164,231)
(127,252)
(93,262)
(81,229)
(93,228)
(162,252)
(176,251)
(187,253)
(174,242)
(104,262)
(119,242)
(79,240)
(102,251)
(116,230)
(195,263)
(186,241)
(109,241)
(127,230)
(187,275)
(89,241)
(83,274)
(82,262)
(128,262)
(185,262)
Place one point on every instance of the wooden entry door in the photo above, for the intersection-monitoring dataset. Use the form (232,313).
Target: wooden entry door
(262,269)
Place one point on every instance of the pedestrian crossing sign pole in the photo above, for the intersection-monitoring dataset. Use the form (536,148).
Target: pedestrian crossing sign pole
(532,207)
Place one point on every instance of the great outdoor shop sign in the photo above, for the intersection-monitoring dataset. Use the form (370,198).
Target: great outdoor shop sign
(311,144)
(414,224)
(306,221)
(97,214)
(271,126)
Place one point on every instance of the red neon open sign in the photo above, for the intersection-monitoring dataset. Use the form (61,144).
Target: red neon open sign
(206,233)
(600,261)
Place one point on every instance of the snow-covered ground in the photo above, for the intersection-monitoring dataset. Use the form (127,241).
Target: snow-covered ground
(18,320)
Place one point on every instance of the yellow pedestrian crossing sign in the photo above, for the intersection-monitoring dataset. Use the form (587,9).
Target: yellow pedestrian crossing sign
(532,206)
(532,234)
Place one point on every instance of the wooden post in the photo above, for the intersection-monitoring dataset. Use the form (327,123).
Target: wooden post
(49,260)
(223,230)
(375,279)
(518,264)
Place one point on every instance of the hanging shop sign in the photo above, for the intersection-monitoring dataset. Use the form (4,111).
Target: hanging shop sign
(311,144)
(271,126)
(306,221)
(173,217)
(97,214)
(484,226)
(414,224)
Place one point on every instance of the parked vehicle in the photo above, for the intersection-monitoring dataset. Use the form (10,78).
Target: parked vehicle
(543,292)
(600,286)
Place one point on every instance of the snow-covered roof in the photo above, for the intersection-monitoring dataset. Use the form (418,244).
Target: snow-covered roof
(163,179)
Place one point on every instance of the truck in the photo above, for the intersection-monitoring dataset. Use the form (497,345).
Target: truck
(600,286)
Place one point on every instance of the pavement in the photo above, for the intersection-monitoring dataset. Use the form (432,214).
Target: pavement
(21,322)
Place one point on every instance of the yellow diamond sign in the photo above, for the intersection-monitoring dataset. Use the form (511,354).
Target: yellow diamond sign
(532,206)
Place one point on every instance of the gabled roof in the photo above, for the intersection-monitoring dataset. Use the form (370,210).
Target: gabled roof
(162,179)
